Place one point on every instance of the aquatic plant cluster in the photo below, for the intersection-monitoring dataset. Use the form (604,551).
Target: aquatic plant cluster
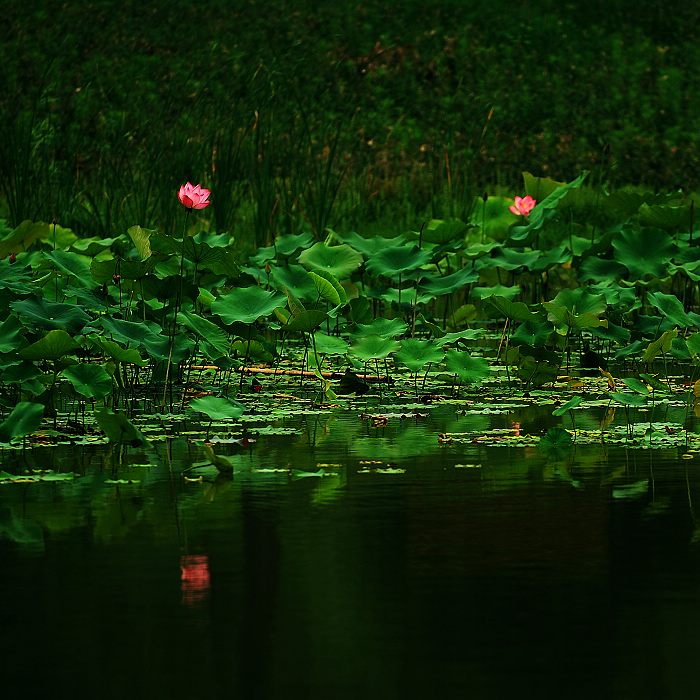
(530,288)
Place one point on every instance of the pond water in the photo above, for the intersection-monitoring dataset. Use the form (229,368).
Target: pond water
(410,569)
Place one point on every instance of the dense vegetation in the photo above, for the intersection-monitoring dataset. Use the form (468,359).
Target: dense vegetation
(367,116)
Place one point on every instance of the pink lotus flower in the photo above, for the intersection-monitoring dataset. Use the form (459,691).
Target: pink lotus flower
(194,197)
(523,205)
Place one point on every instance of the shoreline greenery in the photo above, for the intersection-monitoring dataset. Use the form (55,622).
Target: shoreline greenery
(355,116)
(518,296)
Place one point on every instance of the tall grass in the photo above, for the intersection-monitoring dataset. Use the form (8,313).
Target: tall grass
(334,113)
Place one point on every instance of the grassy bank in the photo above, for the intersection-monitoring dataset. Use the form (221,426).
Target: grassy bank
(349,115)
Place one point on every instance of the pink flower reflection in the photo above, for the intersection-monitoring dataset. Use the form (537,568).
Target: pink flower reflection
(194,578)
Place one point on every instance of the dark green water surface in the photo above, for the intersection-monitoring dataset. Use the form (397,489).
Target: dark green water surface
(479,572)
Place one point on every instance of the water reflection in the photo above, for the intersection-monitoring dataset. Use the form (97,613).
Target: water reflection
(194,578)
(572,574)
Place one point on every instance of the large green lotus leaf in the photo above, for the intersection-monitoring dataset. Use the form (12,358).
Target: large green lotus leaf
(395,261)
(205,298)
(382,326)
(627,399)
(24,372)
(10,334)
(93,245)
(462,316)
(514,310)
(540,187)
(534,334)
(509,259)
(443,231)
(491,220)
(89,380)
(666,216)
(415,354)
(60,238)
(670,306)
(305,320)
(251,349)
(636,385)
(328,288)
(537,366)
(340,260)
(116,351)
(459,337)
(613,332)
(580,301)
(217,408)
(556,438)
(374,347)
(330,345)
(554,256)
(690,268)
(622,298)
(394,295)
(214,239)
(130,331)
(565,318)
(659,346)
(290,243)
(447,284)
(644,252)
(220,261)
(622,204)
(479,250)
(568,406)
(600,269)
(16,278)
(73,265)
(247,304)
(23,237)
(630,350)
(207,331)
(470,370)
(369,246)
(142,240)
(679,350)
(53,346)
(92,300)
(118,428)
(295,279)
(497,290)
(262,256)
(45,314)
(143,334)
(104,270)
(24,419)
(693,344)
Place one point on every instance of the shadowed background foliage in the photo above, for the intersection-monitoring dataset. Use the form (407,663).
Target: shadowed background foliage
(343,114)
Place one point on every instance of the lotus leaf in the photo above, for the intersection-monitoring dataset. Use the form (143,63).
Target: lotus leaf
(246,304)
(340,260)
(24,419)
